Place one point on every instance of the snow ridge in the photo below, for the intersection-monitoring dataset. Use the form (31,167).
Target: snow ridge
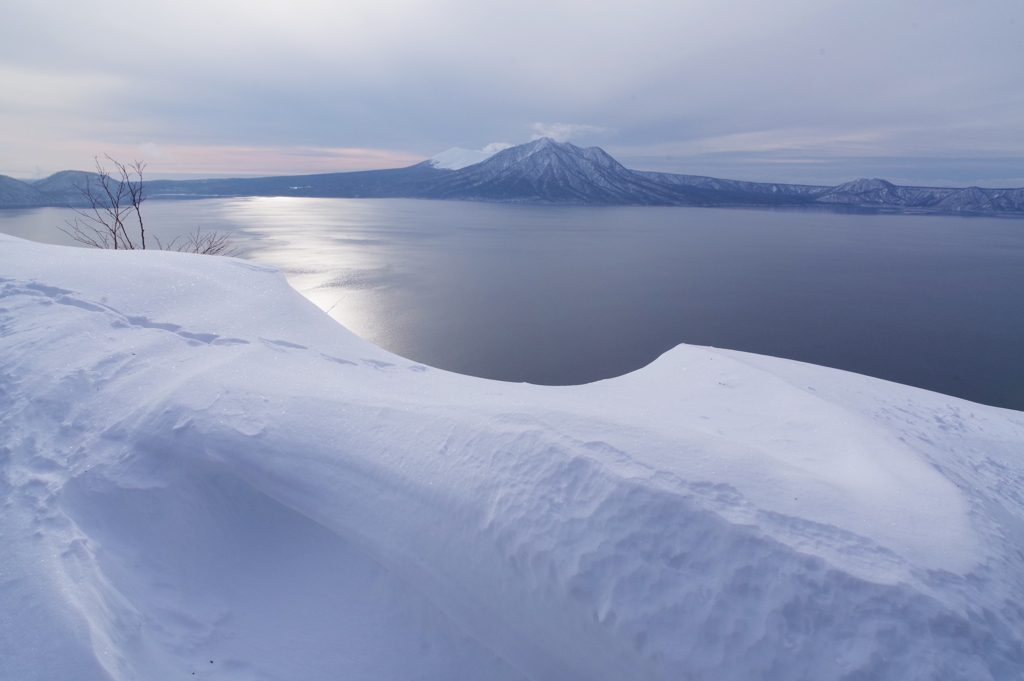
(205,475)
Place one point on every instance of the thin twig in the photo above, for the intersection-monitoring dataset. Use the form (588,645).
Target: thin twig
(104,223)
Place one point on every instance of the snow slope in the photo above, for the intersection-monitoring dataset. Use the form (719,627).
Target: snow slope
(204,476)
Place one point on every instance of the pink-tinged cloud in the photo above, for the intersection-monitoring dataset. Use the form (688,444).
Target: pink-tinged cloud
(179,161)
(261,161)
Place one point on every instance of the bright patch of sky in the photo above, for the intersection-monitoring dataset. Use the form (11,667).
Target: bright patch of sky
(796,90)
(456,157)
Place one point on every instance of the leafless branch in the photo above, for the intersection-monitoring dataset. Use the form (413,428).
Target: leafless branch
(210,243)
(104,224)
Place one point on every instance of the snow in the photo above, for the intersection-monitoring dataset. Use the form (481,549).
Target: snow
(457,158)
(203,473)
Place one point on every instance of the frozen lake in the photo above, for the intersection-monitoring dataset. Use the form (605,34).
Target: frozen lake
(569,294)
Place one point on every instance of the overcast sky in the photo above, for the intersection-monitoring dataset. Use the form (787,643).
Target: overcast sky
(919,92)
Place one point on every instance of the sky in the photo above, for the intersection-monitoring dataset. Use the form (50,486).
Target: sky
(926,92)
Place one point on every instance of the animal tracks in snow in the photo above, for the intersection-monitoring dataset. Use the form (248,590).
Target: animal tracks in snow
(284,344)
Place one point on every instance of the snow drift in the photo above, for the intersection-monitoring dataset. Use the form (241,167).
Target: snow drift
(204,476)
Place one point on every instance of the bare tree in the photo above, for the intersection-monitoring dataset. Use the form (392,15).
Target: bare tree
(111,201)
(209,243)
(113,218)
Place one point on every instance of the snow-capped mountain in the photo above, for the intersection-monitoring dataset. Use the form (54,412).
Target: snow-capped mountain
(545,171)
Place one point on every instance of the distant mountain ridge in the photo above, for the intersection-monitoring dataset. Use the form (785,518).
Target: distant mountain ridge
(17,194)
(547,172)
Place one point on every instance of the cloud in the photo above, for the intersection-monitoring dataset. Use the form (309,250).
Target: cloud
(563,132)
(798,79)
(495,147)
(196,160)
(152,151)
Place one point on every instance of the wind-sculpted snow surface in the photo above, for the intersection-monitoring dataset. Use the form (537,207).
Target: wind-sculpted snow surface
(204,476)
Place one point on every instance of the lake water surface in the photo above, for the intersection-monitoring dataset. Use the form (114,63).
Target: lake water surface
(571,294)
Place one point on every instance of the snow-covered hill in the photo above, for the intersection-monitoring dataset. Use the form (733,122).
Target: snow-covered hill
(65,187)
(204,476)
(882,194)
(739,187)
(15,193)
